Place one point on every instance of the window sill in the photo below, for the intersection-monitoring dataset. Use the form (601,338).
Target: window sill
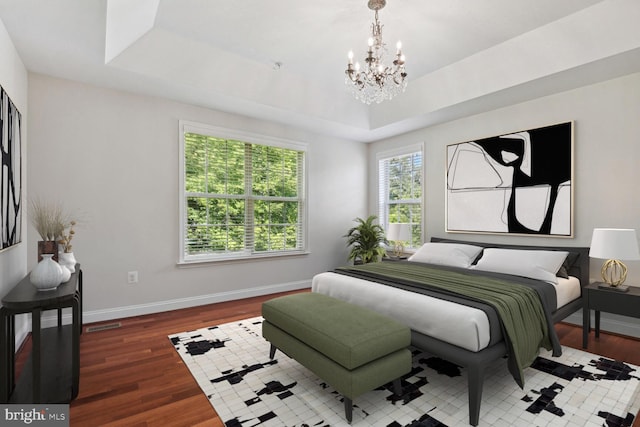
(205,260)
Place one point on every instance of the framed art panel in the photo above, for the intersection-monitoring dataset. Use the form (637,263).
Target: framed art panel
(11,174)
(518,183)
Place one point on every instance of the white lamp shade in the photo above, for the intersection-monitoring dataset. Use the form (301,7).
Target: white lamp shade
(614,243)
(399,232)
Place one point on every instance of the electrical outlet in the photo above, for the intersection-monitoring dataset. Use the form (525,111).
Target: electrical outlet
(132,277)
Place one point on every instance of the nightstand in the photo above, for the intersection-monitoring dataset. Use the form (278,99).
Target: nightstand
(594,298)
(395,258)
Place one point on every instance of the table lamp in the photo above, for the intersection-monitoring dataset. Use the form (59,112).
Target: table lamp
(398,233)
(614,245)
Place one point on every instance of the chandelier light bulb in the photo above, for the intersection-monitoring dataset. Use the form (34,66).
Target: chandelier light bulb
(376,81)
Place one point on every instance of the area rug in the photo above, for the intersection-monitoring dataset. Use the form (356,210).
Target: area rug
(231,364)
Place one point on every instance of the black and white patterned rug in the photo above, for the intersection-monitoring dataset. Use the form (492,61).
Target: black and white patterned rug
(231,364)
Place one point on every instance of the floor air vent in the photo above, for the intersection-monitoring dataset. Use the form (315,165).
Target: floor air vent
(104,327)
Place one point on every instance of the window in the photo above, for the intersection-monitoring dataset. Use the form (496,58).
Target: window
(242,195)
(400,190)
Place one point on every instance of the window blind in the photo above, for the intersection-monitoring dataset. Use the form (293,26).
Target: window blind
(242,199)
(400,191)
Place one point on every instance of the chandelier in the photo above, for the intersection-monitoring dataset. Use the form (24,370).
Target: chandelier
(377,81)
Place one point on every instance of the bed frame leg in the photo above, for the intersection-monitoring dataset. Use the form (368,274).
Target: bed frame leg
(476,379)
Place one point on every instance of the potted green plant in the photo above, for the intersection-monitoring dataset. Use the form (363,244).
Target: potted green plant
(366,240)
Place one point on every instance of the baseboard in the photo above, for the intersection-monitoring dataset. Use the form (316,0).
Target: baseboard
(157,307)
(23,328)
(617,324)
(610,323)
(22,331)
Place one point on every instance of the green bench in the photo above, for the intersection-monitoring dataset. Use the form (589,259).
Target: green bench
(352,348)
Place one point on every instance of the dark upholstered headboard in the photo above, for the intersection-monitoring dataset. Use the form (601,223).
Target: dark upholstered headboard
(579,269)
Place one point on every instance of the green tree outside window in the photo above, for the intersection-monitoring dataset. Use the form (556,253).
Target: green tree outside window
(400,193)
(242,197)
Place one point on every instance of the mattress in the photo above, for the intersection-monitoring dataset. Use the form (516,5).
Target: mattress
(567,290)
(460,325)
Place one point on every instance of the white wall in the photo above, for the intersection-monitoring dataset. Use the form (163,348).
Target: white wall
(606,156)
(112,157)
(13,78)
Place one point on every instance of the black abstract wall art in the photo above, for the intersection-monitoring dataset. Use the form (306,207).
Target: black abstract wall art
(518,183)
(11,174)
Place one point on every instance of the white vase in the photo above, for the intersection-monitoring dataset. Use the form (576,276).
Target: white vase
(67,259)
(47,274)
(65,274)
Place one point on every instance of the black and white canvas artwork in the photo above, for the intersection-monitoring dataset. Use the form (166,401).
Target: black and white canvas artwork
(11,176)
(517,183)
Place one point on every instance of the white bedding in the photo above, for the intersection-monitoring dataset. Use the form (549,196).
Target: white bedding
(463,326)
(567,290)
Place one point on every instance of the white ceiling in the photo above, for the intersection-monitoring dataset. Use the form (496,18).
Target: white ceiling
(463,56)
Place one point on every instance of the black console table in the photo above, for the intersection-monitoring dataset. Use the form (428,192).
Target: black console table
(52,372)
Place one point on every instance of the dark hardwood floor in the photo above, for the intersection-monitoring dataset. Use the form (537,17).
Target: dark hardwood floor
(132,376)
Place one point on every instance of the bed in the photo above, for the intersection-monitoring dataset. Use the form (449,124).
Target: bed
(469,331)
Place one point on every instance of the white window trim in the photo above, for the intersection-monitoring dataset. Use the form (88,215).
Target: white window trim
(397,152)
(226,133)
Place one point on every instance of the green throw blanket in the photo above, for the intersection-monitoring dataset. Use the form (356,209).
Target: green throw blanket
(525,324)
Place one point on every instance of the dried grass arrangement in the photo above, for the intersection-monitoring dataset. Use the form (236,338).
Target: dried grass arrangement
(49,219)
(65,238)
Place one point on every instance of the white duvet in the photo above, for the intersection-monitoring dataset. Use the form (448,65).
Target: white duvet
(463,326)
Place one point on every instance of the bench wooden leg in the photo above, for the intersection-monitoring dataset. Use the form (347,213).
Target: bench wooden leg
(348,409)
(348,403)
(272,351)
(397,387)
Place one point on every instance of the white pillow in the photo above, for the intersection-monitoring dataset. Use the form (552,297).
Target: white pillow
(535,264)
(450,254)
